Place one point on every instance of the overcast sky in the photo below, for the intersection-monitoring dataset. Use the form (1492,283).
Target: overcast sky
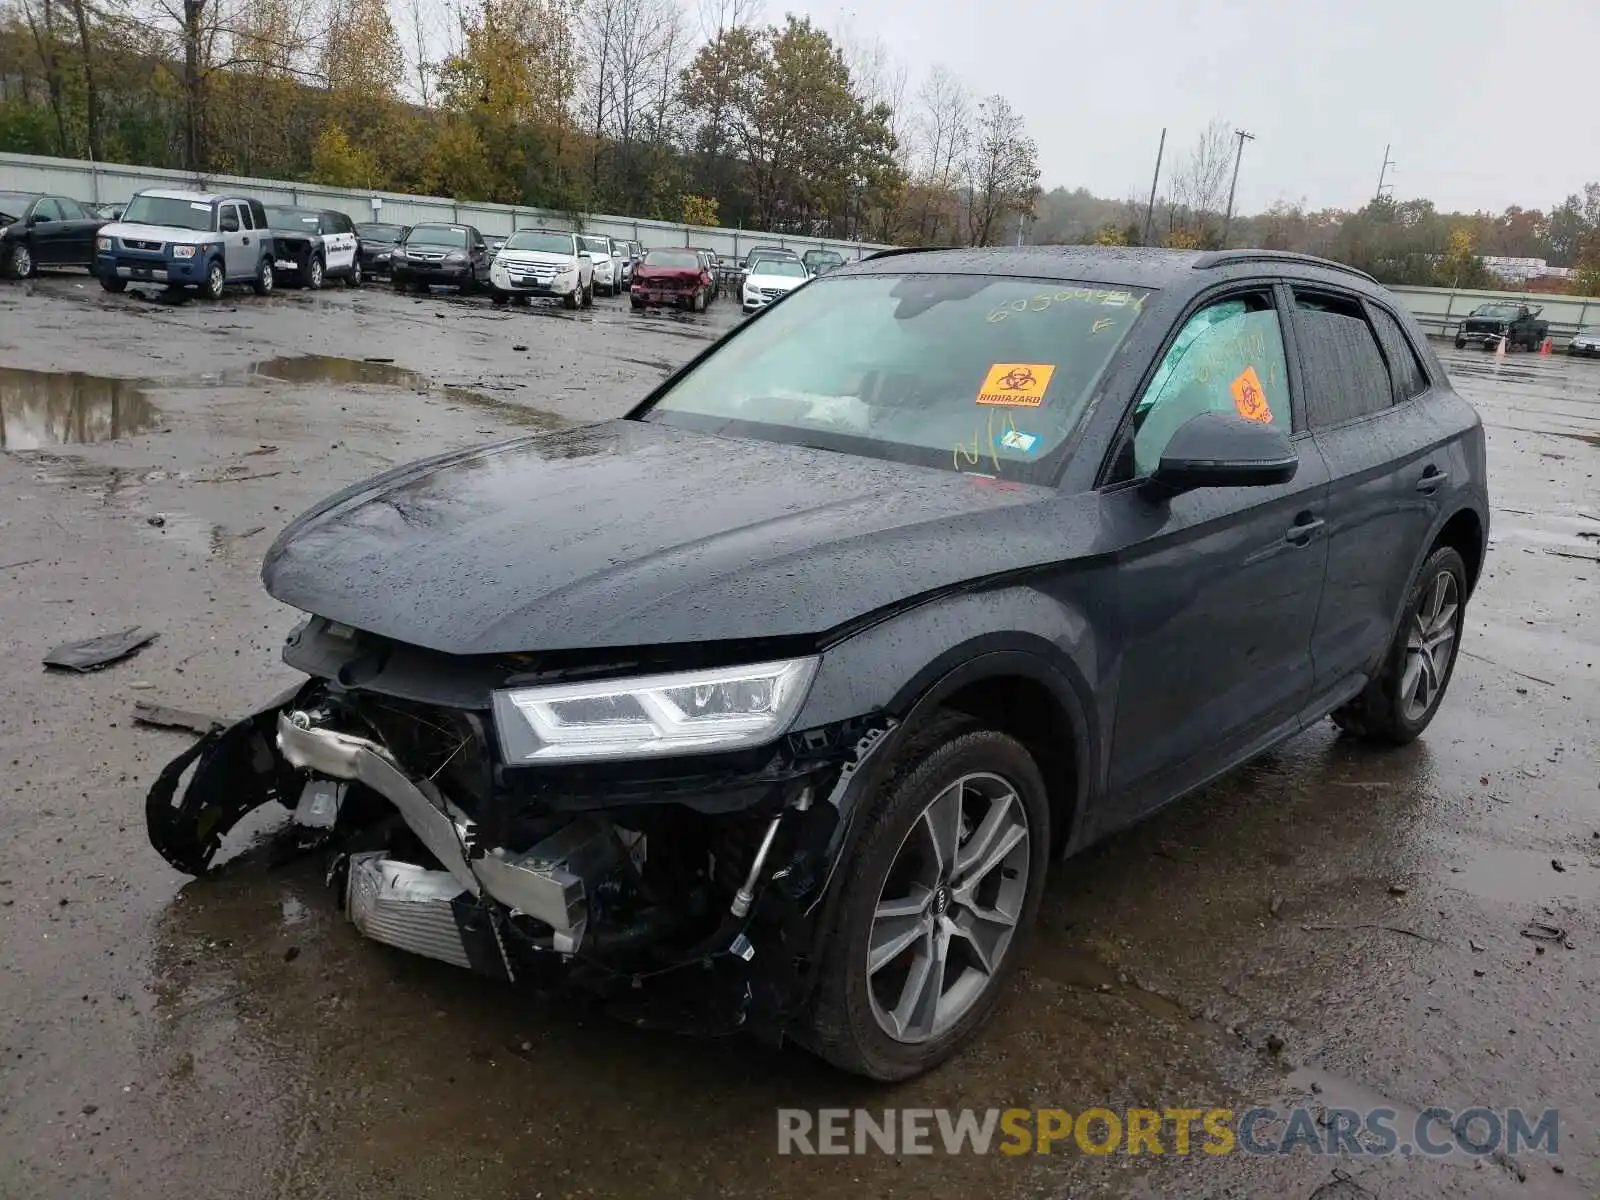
(1487,103)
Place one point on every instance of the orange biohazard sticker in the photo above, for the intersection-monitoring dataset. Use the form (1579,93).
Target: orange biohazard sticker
(1250,398)
(1021,384)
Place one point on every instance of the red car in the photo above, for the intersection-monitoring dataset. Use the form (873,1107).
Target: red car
(671,277)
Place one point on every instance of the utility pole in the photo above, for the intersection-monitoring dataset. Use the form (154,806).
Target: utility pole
(1150,209)
(1383,174)
(1232,187)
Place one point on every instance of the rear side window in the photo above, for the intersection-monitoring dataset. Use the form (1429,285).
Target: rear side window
(246,218)
(1409,377)
(1344,371)
(70,209)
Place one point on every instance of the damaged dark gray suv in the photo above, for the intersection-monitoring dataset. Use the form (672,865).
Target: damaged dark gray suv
(768,706)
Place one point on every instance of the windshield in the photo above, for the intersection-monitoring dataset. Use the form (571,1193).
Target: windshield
(164,210)
(293,220)
(672,258)
(13,205)
(381,233)
(793,268)
(437,235)
(540,242)
(1504,312)
(823,256)
(965,372)
(597,245)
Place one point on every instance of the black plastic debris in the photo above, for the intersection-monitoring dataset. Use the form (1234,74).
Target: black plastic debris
(100,651)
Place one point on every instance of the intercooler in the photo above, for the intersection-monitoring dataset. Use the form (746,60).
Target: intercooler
(407,907)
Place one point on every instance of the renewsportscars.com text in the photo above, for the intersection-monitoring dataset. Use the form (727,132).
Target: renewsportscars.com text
(1434,1132)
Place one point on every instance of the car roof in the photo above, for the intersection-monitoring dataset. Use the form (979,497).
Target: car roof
(558,232)
(192,197)
(30,197)
(1127,266)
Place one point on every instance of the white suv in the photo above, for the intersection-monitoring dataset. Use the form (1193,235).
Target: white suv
(607,269)
(542,262)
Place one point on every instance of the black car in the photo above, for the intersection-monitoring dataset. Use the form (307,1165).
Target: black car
(769,705)
(1513,325)
(44,231)
(453,255)
(378,242)
(315,244)
(820,262)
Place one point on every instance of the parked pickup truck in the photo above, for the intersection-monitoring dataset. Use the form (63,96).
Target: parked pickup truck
(187,239)
(1518,324)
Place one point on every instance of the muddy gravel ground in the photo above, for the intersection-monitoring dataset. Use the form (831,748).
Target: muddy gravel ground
(1329,925)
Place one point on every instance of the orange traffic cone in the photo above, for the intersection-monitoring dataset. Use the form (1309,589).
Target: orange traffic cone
(1547,346)
(1500,346)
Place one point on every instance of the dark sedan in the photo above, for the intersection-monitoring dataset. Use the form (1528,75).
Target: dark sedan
(377,245)
(453,255)
(44,231)
(769,706)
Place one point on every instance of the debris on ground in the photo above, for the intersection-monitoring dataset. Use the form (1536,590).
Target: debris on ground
(1540,932)
(519,349)
(1275,906)
(162,717)
(96,652)
(1398,889)
(1502,1159)
(1342,1187)
(156,519)
(1275,1044)
(1557,865)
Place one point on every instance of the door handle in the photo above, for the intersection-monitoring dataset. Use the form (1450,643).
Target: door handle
(1302,531)
(247,239)
(1432,479)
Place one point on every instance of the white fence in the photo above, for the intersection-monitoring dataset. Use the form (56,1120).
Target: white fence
(110,183)
(1441,310)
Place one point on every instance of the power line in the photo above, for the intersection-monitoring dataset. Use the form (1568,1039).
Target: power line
(1383,174)
(1232,187)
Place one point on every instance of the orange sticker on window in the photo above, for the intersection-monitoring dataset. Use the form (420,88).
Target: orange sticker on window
(1250,398)
(1022,384)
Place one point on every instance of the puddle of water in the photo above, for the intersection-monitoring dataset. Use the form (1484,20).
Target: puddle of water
(355,372)
(1514,876)
(65,408)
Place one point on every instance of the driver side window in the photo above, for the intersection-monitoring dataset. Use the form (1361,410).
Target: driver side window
(1228,357)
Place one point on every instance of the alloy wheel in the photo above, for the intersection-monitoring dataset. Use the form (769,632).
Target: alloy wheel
(21,261)
(949,908)
(1430,645)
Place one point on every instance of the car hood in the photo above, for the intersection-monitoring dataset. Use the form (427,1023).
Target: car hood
(539,257)
(158,233)
(773,281)
(630,534)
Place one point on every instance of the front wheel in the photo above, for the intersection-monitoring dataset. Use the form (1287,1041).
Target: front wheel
(1400,702)
(1461,343)
(262,284)
(113,283)
(572,299)
(498,299)
(938,892)
(19,262)
(216,281)
(313,274)
(588,296)
(353,279)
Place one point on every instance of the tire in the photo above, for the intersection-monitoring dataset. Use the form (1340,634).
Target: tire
(399,285)
(353,279)
(314,273)
(588,295)
(262,283)
(1386,711)
(572,299)
(849,1023)
(468,286)
(637,305)
(499,299)
(216,281)
(113,283)
(1461,343)
(19,262)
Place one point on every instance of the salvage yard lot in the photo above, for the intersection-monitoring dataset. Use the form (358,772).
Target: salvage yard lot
(1325,916)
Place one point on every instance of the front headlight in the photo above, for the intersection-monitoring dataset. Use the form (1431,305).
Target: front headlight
(690,712)
(102,243)
(183,252)
(455,256)
(383,256)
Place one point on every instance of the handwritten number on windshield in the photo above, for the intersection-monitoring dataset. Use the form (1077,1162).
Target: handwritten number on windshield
(974,453)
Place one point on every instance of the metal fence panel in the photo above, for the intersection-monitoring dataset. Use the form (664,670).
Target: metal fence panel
(1441,310)
(110,183)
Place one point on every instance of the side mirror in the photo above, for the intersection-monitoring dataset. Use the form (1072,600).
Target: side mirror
(1222,449)
(585,254)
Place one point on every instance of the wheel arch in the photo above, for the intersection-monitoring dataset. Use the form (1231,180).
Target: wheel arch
(1464,532)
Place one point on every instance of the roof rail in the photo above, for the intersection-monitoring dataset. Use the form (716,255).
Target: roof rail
(893,250)
(1228,258)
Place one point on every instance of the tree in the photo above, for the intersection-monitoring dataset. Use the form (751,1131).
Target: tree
(339,163)
(1587,278)
(1199,187)
(943,131)
(1002,171)
(697,210)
